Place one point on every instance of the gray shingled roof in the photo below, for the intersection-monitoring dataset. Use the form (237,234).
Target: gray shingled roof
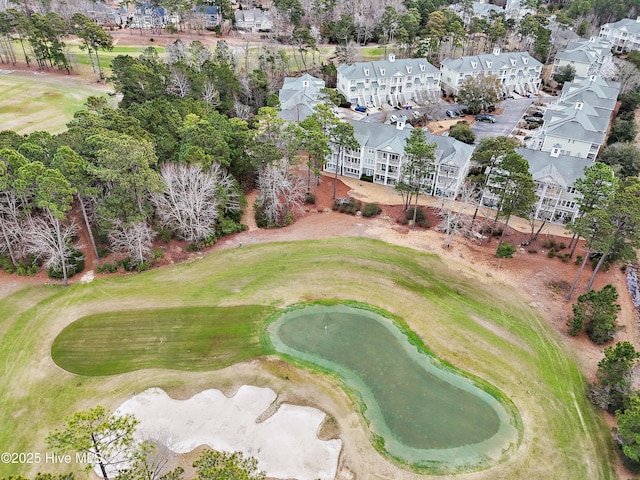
(542,164)
(297,101)
(585,51)
(389,67)
(498,62)
(628,24)
(387,137)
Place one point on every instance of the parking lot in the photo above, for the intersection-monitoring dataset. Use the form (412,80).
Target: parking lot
(512,112)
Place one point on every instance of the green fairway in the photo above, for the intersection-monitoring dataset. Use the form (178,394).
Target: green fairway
(182,338)
(481,328)
(31,102)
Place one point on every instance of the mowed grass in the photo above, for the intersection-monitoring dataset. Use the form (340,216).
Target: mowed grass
(197,338)
(32,102)
(483,328)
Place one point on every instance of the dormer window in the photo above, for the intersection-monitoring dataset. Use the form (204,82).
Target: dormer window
(579,105)
(474,65)
(489,64)
(422,67)
(513,62)
(366,72)
(305,83)
(408,69)
(525,60)
(382,71)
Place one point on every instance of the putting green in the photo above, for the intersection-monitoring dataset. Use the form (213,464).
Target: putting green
(427,413)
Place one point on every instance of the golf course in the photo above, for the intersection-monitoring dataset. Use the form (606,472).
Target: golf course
(206,324)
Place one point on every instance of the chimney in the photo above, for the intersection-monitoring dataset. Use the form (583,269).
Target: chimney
(579,105)
(496,50)
(392,57)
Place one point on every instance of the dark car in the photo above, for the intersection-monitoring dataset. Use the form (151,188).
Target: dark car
(538,113)
(451,113)
(483,117)
(534,120)
(360,108)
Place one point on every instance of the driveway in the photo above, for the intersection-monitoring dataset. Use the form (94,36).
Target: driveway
(505,122)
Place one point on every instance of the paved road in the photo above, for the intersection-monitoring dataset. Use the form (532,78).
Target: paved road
(505,122)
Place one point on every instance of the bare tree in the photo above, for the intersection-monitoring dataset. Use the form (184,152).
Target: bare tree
(50,240)
(194,200)
(210,93)
(134,240)
(281,193)
(178,83)
(242,110)
(175,52)
(454,220)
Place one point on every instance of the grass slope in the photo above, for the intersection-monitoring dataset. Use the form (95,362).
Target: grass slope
(483,329)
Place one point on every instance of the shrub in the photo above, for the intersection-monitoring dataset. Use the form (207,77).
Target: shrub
(551,253)
(371,210)
(309,198)
(564,258)
(421,218)
(579,259)
(497,232)
(506,250)
(532,250)
(549,243)
(103,252)
(366,178)
(165,234)
(562,246)
(107,267)
(75,265)
(158,253)
(347,205)
(227,226)
(194,247)
(6,265)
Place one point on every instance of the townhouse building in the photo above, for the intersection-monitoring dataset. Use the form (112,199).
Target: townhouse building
(623,34)
(517,71)
(381,157)
(576,124)
(588,57)
(393,81)
(299,96)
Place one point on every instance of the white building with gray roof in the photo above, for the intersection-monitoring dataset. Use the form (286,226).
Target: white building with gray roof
(299,97)
(517,71)
(588,57)
(381,157)
(555,176)
(577,123)
(623,34)
(394,81)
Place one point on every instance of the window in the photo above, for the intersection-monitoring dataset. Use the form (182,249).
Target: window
(382,71)
(489,64)
(370,150)
(422,67)
(305,83)
(366,72)
(408,69)
(571,189)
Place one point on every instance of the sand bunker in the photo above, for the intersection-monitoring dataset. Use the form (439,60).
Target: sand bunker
(285,444)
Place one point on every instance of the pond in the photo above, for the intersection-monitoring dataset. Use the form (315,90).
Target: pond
(427,413)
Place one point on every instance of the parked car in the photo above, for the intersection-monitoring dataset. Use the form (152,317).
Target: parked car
(451,113)
(538,113)
(360,108)
(534,120)
(483,117)
(491,108)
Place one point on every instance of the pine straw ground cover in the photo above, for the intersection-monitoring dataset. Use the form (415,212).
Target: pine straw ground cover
(482,328)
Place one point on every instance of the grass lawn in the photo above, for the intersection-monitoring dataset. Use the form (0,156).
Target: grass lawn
(31,102)
(197,338)
(482,328)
